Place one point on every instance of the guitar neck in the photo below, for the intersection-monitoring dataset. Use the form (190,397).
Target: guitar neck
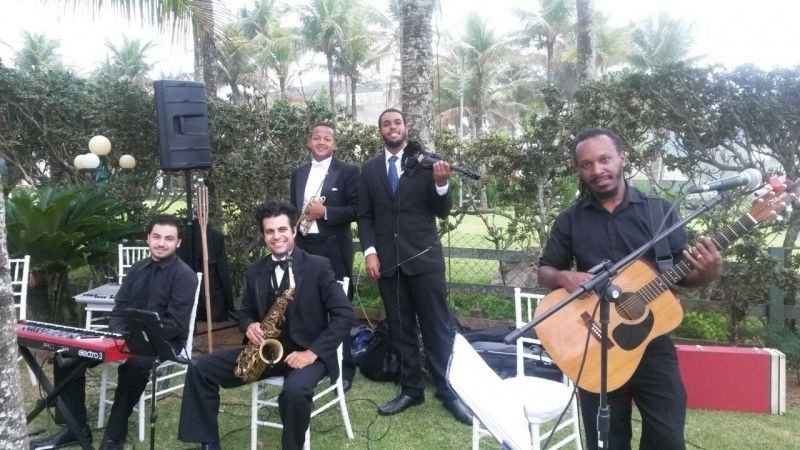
(676,273)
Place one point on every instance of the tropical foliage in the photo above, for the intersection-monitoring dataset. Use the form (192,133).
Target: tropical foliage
(63,229)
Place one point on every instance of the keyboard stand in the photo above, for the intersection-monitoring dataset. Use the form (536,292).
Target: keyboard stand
(53,394)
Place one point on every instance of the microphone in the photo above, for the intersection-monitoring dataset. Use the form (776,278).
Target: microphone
(750,178)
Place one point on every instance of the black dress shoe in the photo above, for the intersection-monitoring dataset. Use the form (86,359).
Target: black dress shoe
(210,446)
(459,410)
(61,438)
(346,385)
(111,444)
(400,404)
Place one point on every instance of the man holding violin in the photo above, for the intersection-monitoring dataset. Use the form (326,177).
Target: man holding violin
(397,210)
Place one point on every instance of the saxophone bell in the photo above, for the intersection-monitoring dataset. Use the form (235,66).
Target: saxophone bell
(270,351)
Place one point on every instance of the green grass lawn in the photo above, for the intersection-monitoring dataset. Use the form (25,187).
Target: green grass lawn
(428,426)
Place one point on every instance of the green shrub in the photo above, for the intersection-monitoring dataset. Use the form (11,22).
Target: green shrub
(707,326)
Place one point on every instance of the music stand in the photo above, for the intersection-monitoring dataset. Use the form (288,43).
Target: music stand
(147,337)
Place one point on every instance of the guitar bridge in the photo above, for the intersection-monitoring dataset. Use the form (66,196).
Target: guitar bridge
(594,328)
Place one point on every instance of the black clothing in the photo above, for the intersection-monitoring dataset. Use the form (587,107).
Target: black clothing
(167,287)
(585,234)
(335,238)
(340,189)
(219,277)
(402,227)
(318,319)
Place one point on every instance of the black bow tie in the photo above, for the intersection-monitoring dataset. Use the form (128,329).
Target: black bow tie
(272,264)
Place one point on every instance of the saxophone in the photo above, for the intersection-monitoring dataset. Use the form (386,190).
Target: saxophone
(253,359)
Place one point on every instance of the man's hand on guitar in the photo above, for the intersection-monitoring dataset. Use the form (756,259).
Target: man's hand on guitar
(571,281)
(707,262)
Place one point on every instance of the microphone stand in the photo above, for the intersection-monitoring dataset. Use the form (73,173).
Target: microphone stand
(607,293)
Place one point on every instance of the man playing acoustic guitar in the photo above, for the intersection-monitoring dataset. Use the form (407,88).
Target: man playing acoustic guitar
(608,221)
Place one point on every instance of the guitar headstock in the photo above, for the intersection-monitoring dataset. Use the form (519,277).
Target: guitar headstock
(776,196)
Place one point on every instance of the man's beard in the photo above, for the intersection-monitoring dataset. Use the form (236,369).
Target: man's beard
(393,144)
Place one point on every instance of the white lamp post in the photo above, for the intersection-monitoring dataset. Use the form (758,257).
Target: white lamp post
(99,148)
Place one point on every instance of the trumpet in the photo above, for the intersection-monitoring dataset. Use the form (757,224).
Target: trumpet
(303,222)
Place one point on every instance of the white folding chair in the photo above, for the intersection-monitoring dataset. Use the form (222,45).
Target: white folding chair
(543,400)
(524,307)
(169,375)
(264,393)
(19,270)
(126,256)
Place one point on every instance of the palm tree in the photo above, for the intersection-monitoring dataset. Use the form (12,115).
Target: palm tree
(234,58)
(478,78)
(274,46)
(543,30)
(584,32)
(361,49)
(38,53)
(13,432)
(416,65)
(281,53)
(181,15)
(128,61)
(323,26)
(660,41)
(612,46)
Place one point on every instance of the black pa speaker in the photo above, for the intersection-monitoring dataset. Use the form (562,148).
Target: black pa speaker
(182,122)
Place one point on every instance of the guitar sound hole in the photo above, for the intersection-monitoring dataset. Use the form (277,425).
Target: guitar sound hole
(630,306)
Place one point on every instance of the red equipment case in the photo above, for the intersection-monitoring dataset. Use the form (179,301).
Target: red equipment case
(734,378)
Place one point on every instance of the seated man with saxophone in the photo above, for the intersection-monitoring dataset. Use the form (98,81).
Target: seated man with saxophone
(301,339)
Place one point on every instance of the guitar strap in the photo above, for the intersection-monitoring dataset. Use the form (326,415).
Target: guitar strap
(663,255)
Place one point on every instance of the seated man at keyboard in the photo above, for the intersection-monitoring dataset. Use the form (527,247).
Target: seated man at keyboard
(162,283)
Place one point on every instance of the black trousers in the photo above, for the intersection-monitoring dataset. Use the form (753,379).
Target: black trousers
(409,300)
(200,406)
(660,396)
(329,247)
(132,379)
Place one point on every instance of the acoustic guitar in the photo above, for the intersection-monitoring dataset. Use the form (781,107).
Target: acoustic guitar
(647,308)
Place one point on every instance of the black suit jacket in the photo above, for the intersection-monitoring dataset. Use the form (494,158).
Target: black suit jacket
(340,189)
(320,314)
(401,227)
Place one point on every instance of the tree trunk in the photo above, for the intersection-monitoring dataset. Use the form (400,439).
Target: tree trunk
(205,51)
(416,62)
(353,83)
(197,45)
(585,49)
(329,57)
(13,428)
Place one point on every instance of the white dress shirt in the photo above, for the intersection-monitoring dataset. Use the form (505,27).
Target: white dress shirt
(316,176)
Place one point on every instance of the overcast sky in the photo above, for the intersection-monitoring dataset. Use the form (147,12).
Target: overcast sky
(730,32)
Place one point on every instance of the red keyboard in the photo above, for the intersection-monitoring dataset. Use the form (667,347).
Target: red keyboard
(89,344)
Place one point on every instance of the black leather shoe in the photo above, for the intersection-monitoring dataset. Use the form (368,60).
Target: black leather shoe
(346,385)
(400,404)
(111,444)
(61,438)
(459,410)
(210,446)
